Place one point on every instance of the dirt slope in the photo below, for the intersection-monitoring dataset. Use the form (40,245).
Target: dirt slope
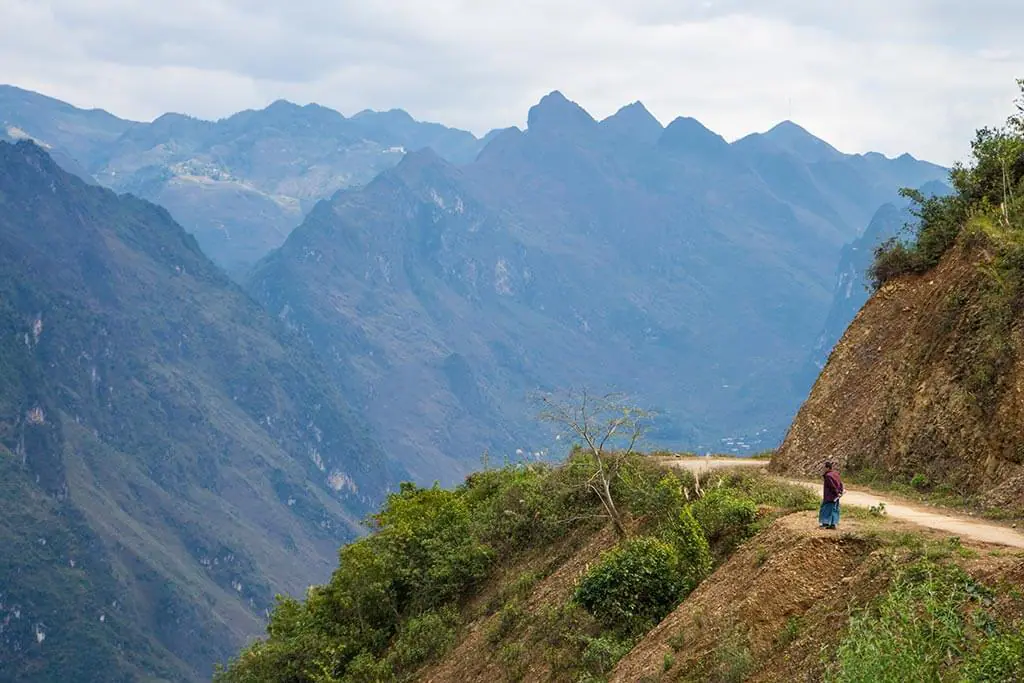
(791,571)
(473,659)
(782,601)
(922,383)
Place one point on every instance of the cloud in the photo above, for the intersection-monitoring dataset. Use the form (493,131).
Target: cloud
(903,75)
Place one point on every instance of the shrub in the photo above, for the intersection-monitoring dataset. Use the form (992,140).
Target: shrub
(517,507)
(602,654)
(653,494)
(422,639)
(734,659)
(727,518)
(634,586)
(913,631)
(365,668)
(692,548)
(892,259)
(504,623)
(437,558)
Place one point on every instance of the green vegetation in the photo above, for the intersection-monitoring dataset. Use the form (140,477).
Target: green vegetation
(986,211)
(437,558)
(935,623)
(638,583)
(988,199)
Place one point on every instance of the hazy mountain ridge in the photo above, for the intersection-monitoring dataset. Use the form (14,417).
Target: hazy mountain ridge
(239,184)
(612,253)
(172,456)
(852,287)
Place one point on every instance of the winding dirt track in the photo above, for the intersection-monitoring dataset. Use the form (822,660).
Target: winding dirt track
(916,514)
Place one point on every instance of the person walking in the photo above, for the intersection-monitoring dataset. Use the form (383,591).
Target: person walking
(828,514)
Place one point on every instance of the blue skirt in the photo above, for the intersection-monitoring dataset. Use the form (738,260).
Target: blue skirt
(828,515)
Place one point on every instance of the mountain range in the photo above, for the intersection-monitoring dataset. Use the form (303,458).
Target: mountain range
(240,184)
(664,262)
(172,457)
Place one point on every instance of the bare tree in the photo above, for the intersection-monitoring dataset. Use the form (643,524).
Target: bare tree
(608,430)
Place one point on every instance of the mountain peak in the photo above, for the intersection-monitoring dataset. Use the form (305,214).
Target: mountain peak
(282,105)
(556,112)
(687,134)
(419,164)
(634,121)
(800,142)
(28,151)
(392,115)
(789,128)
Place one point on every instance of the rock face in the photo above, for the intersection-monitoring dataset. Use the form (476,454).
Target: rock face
(612,254)
(241,184)
(170,455)
(921,386)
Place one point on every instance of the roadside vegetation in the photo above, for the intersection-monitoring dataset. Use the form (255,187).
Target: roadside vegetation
(934,622)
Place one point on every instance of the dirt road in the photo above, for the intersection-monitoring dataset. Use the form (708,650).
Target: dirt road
(921,515)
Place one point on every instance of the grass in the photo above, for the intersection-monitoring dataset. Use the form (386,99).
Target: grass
(934,623)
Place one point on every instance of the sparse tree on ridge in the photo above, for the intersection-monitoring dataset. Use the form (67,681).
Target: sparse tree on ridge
(608,430)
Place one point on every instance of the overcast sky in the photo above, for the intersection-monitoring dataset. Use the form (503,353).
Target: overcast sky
(890,76)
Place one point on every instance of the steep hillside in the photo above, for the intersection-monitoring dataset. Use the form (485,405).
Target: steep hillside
(925,386)
(852,285)
(513,573)
(513,576)
(171,456)
(239,184)
(616,254)
(919,387)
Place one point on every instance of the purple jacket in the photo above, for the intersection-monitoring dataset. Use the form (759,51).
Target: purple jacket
(833,487)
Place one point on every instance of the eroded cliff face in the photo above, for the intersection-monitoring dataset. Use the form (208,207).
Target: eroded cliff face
(926,381)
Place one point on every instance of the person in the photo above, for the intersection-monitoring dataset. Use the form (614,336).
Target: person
(828,514)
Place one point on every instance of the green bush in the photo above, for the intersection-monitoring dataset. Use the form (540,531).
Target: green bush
(651,493)
(517,507)
(634,586)
(364,668)
(437,558)
(505,622)
(893,258)
(726,517)
(422,639)
(691,545)
(991,185)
